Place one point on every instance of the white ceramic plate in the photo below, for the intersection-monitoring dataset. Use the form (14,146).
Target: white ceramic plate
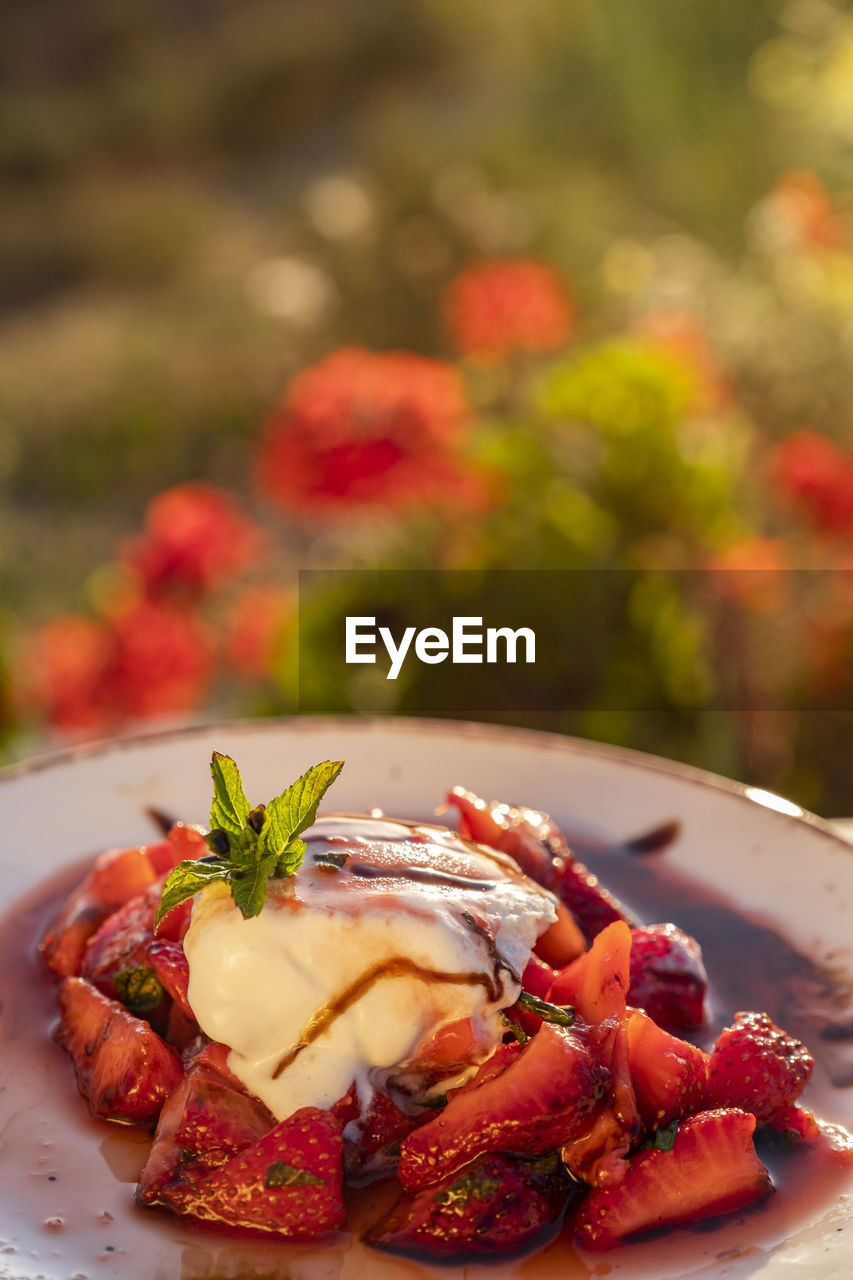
(66,1182)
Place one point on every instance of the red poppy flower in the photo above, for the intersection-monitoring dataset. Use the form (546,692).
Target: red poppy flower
(495,308)
(195,538)
(366,429)
(64,671)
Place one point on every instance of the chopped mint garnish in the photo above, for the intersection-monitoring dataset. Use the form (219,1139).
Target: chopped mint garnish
(139,989)
(280,1174)
(250,845)
(562,1014)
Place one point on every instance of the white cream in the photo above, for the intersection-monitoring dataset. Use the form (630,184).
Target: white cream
(255,985)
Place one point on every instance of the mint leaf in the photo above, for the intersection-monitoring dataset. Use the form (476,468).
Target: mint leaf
(139,989)
(230,808)
(293,812)
(249,884)
(250,845)
(187,879)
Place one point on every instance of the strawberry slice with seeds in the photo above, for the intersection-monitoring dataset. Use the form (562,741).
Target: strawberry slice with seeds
(669,1074)
(758,1067)
(496,1207)
(123,1069)
(202,1125)
(289,1183)
(548,1094)
(710,1169)
(668,977)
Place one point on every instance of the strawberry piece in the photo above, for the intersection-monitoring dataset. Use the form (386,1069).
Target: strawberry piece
(116,876)
(711,1169)
(548,1094)
(540,849)
(669,1074)
(289,1183)
(795,1125)
(372,1145)
(592,906)
(169,962)
(202,1125)
(123,1069)
(668,978)
(121,941)
(215,1056)
(758,1067)
(596,984)
(182,844)
(496,1207)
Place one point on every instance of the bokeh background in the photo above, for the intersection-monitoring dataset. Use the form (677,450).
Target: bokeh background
(351,284)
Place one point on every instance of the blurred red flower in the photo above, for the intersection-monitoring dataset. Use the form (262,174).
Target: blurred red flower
(751,573)
(255,626)
(495,308)
(802,203)
(363,428)
(96,675)
(195,538)
(64,671)
(814,474)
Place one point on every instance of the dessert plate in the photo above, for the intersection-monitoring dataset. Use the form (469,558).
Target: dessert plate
(771,886)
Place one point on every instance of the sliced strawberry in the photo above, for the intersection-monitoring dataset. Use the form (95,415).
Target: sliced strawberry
(202,1125)
(540,849)
(668,977)
(795,1125)
(503,1057)
(215,1056)
(562,940)
(669,1074)
(182,844)
(591,905)
(287,1184)
(758,1067)
(596,984)
(121,941)
(169,962)
(123,1069)
(547,1095)
(116,876)
(711,1169)
(496,1207)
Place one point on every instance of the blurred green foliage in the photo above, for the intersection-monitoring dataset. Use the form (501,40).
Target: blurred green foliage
(200,199)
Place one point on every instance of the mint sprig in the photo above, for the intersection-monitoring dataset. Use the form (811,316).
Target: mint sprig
(250,845)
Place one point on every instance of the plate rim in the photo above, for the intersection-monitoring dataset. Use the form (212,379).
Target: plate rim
(101,748)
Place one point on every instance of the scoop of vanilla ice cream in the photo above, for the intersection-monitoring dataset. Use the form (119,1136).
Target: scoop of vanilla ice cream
(386,934)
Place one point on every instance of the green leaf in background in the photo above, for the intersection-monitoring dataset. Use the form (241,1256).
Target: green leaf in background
(230,808)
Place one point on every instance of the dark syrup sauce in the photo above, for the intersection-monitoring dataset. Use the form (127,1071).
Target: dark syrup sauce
(66,1181)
